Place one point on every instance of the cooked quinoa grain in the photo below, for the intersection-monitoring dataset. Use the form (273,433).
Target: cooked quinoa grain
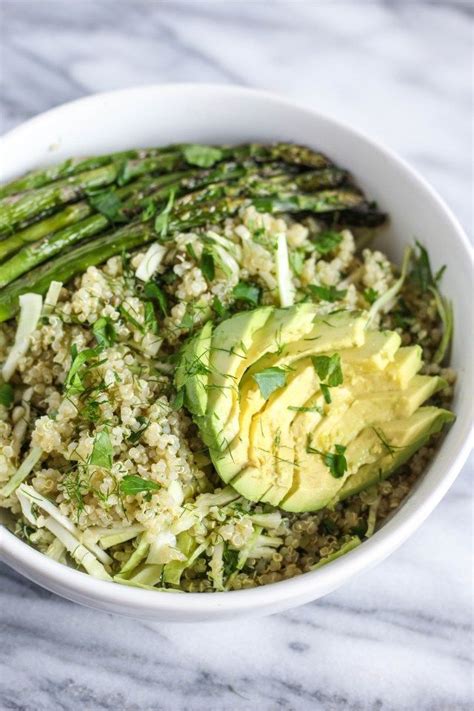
(120,458)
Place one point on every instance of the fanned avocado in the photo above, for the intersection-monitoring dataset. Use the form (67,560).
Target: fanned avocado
(301,409)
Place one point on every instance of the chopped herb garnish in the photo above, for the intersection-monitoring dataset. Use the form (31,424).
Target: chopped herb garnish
(371,295)
(421,272)
(102,451)
(219,308)
(335,461)
(326,393)
(150,322)
(104,332)
(230,558)
(250,293)
(270,380)
(107,203)
(297,258)
(80,361)
(327,241)
(127,316)
(190,252)
(314,408)
(153,291)
(207,265)
(327,293)
(6,395)
(132,484)
(202,156)
(391,448)
(134,437)
(162,220)
(329,369)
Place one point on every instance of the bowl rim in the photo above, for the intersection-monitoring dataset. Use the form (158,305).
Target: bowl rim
(22,556)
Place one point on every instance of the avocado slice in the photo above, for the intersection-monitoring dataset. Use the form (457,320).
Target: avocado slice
(231,342)
(334,332)
(192,371)
(403,437)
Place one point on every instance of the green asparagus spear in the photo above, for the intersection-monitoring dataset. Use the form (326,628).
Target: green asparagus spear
(72,214)
(134,165)
(23,207)
(92,224)
(73,262)
(189,214)
(38,178)
(20,208)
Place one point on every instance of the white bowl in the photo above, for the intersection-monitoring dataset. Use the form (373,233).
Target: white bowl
(217,114)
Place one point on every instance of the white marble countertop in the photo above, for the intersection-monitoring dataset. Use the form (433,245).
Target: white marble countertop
(398,637)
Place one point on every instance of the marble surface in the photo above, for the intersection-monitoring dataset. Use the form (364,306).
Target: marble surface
(398,637)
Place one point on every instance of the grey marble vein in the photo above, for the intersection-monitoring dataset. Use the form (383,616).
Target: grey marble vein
(398,638)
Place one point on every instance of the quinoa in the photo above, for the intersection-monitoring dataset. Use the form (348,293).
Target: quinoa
(130,395)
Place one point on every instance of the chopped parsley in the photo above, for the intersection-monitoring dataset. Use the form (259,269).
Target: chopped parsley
(329,370)
(244,291)
(132,484)
(191,252)
(327,241)
(270,380)
(371,295)
(102,451)
(6,395)
(335,461)
(81,363)
(150,322)
(202,156)
(144,423)
(219,308)
(104,332)
(153,291)
(230,558)
(207,265)
(107,203)
(327,293)
(297,258)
